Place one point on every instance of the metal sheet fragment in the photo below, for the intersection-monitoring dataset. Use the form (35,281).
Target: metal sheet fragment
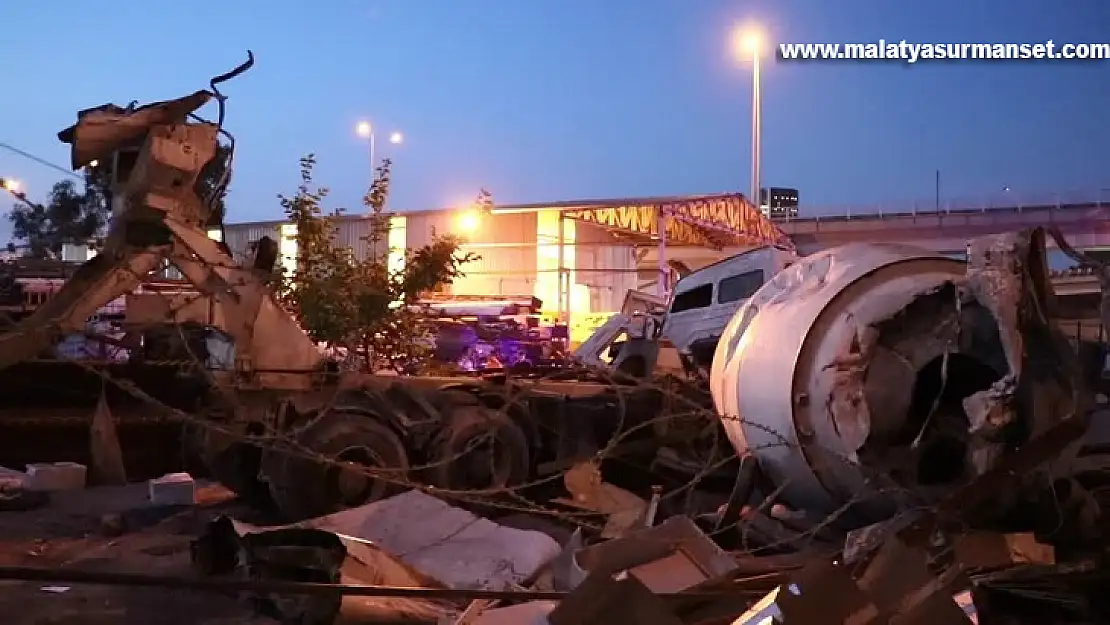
(847,401)
(995,278)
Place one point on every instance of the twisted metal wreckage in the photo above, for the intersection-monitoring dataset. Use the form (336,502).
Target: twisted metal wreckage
(856,384)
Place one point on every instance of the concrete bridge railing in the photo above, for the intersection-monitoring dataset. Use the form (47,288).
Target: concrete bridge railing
(1003,201)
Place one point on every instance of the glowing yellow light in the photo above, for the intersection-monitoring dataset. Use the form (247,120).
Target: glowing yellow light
(94,163)
(396,138)
(364,129)
(748,41)
(11,185)
(468,221)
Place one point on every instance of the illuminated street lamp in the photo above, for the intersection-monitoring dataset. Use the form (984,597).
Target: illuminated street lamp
(366,130)
(749,42)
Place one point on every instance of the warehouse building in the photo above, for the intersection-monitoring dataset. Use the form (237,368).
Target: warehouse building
(579,258)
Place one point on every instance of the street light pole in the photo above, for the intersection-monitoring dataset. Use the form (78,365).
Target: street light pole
(757,129)
(937,185)
(366,130)
(750,42)
(371,141)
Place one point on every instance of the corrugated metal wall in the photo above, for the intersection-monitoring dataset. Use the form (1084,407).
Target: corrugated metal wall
(604,266)
(354,233)
(239,237)
(349,232)
(506,244)
(422,227)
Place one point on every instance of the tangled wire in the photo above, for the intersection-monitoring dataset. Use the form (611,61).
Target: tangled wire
(355,438)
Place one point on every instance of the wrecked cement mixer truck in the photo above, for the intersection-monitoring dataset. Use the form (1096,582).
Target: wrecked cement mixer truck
(872,376)
(878,375)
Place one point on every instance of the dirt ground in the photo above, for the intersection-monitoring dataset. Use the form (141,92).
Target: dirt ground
(81,530)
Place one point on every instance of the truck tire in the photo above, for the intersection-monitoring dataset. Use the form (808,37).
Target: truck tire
(461,457)
(302,487)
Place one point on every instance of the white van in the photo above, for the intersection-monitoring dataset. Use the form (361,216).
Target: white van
(705,300)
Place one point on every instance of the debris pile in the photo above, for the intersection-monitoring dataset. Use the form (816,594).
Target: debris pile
(1018,536)
(415,558)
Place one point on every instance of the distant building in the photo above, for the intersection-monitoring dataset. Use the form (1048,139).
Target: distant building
(779,202)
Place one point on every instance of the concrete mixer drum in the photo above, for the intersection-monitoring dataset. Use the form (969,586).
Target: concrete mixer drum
(873,375)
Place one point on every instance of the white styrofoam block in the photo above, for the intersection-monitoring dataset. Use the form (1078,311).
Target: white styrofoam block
(55,476)
(173,489)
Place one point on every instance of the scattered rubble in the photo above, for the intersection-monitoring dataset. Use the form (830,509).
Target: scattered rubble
(174,489)
(56,476)
(418,559)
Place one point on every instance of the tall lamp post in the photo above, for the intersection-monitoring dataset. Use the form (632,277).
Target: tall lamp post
(366,130)
(749,42)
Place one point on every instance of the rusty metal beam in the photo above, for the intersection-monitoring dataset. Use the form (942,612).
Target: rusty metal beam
(712,221)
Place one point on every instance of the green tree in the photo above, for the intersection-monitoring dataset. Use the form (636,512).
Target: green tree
(69,216)
(73,215)
(357,301)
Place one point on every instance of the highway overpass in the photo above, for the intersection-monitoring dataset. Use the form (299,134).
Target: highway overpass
(1083,217)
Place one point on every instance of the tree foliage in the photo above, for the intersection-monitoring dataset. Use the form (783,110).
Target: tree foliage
(75,215)
(70,215)
(357,301)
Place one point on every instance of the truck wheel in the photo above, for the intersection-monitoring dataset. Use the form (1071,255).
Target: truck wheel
(478,449)
(355,442)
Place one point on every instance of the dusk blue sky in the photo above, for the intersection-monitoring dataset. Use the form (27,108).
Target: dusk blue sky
(561,99)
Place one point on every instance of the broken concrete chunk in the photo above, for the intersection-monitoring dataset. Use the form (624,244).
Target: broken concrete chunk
(173,489)
(56,476)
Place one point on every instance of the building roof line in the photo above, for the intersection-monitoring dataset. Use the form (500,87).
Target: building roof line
(565,205)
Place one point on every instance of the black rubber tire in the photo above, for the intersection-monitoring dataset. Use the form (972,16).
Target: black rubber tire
(467,419)
(302,488)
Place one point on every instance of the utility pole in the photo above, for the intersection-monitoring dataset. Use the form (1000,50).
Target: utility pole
(938,190)
(757,131)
